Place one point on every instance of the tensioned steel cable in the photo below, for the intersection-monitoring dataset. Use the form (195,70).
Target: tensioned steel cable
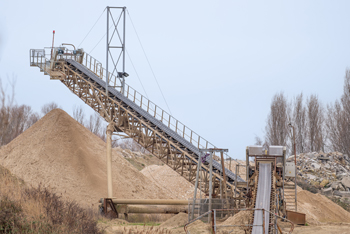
(148,61)
(92,28)
(97,43)
(136,73)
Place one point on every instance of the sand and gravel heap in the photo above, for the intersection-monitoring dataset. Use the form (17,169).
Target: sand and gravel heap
(170,181)
(60,153)
(241,218)
(320,209)
(176,225)
(176,221)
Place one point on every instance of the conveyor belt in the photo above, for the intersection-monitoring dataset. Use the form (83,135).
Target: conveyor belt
(262,199)
(113,92)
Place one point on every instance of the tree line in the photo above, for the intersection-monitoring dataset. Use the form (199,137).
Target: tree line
(318,127)
(15,119)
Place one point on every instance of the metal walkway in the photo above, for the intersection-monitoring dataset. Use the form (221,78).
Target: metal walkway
(149,117)
(262,199)
(164,139)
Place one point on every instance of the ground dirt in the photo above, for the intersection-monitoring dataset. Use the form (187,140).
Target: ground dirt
(60,153)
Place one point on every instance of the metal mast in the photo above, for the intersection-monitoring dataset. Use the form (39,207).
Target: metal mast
(115,47)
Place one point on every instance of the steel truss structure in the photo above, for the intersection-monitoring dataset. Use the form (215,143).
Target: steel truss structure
(116,44)
(141,120)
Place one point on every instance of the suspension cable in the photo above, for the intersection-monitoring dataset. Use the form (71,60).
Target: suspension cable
(149,64)
(136,73)
(92,28)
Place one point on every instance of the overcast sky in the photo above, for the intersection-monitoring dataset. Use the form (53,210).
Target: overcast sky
(218,62)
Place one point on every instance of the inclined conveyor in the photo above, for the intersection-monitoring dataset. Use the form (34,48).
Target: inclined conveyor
(262,199)
(170,133)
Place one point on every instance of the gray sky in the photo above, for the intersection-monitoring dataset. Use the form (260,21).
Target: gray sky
(218,62)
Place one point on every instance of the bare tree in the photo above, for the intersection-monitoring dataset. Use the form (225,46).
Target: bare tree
(276,130)
(14,119)
(33,118)
(338,118)
(300,123)
(315,124)
(78,114)
(48,107)
(258,141)
(97,126)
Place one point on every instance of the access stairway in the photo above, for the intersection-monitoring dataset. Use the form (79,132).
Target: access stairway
(290,195)
(134,115)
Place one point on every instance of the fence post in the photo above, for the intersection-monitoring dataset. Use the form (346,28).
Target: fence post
(212,221)
(263,220)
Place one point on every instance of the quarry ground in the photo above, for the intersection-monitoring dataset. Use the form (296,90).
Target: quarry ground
(63,155)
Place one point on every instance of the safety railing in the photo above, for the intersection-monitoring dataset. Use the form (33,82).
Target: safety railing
(41,58)
(157,112)
(243,224)
(37,58)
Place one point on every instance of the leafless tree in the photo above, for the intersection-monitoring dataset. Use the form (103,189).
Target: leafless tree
(78,114)
(258,141)
(338,119)
(48,107)
(300,123)
(97,126)
(315,124)
(14,119)
(276,130)
(34,117)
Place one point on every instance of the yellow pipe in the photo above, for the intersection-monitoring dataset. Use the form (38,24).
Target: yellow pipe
(150,201)
(109,160)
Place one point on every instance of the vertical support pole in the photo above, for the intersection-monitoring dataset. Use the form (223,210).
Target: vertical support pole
(212,221)
(236,184)
(247,164)
(263,218)
(210,184)
(224,174)
(295,163)
(196,185)
(53,39)
(221,198)
(123,80)
(284,201)
(200,183)
(221,192)
(107,52)
(109,160)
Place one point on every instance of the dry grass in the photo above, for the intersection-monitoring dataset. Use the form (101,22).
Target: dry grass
(38,210)
(145,230)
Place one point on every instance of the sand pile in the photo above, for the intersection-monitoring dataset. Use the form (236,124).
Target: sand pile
(319,208)
(176,221)
(170,181)
(59,152)
(240,218)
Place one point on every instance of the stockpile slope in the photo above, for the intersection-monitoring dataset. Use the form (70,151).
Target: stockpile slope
(320,209)
(60,153)
(170,181)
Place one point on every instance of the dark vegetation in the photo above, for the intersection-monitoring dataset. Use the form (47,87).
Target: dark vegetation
(37,210)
